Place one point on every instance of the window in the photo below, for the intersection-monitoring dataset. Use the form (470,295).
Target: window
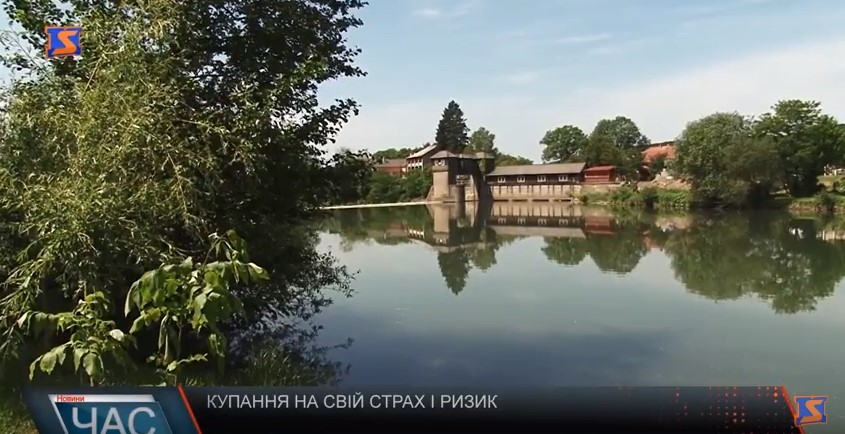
(541,222)
(501,179)
(520,179)
(541,178)
(563,178)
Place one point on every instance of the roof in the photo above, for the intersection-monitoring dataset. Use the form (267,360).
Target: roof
(446,154)
(539,169)
(423,151)
(599,168)
(391,162)
(663,149)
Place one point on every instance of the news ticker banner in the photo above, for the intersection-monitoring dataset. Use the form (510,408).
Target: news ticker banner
(234,410)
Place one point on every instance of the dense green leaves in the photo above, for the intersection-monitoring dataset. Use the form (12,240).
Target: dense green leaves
(91,339)
(806,139)
(482,140)
(179,120)
(564,144)
(616,142)
(620,132)
(737,161)
(386,188)
(452,129)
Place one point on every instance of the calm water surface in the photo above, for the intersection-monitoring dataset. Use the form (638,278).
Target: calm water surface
(550,294)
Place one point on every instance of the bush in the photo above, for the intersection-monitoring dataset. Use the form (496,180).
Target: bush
(650,197)
(826,201)
(675,199)
(625,196)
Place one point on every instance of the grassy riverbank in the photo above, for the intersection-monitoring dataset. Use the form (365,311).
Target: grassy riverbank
(674,199)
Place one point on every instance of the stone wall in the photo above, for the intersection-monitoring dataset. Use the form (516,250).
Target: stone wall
(599,188)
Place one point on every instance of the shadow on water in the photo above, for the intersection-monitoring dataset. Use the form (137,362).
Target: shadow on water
(786,261)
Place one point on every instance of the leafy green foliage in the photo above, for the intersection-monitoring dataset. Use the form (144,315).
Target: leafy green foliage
(616,142)
(620,132)
(806,139)
(511,160)
(195,297)
(482,140)
(564,144)
(724,163)
(92,339)
(181,119)
(452,129)
(172,300)
(393,153)
(657,165)
(386,188)
(350,174)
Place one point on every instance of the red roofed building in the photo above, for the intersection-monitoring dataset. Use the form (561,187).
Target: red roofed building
(393,166)
(664,149)
(600,175)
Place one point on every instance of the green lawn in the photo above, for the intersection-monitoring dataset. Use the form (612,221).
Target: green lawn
(828,180)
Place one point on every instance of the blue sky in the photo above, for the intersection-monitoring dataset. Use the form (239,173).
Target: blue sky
(522,67)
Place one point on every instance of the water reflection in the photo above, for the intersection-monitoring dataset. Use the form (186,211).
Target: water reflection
(789,262)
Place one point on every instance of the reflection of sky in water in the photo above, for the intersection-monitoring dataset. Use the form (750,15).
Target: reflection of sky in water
(530,321)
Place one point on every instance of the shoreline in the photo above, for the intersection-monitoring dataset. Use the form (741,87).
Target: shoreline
(378,205)
(795,208)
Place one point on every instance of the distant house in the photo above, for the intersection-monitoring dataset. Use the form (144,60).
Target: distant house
(537,174)
(665,150)
(421,158)
(392,166)
(600,175)
(657,150)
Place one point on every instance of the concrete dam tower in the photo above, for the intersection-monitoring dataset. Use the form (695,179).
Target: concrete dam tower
(459,178)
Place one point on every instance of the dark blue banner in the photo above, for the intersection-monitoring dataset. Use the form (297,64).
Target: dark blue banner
(234,410)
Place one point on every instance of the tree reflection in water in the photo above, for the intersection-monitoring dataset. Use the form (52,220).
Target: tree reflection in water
(776,257)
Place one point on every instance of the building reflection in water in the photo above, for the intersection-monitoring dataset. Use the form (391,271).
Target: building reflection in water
(787,261)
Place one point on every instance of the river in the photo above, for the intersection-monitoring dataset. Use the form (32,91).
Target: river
(556,295)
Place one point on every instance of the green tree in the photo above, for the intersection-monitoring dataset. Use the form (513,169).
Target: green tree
(564,144)
(482,140)
(212,122)
(350,173)
(452,129)
(621,132)
(394,153)
(617,142)
(657,165)
(723,162)
(511,160)
(807,140)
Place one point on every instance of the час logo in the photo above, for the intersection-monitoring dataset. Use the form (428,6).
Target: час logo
(810,410)
(62,41)
(94,414)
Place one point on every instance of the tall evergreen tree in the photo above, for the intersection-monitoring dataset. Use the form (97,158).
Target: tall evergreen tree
(452,131)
